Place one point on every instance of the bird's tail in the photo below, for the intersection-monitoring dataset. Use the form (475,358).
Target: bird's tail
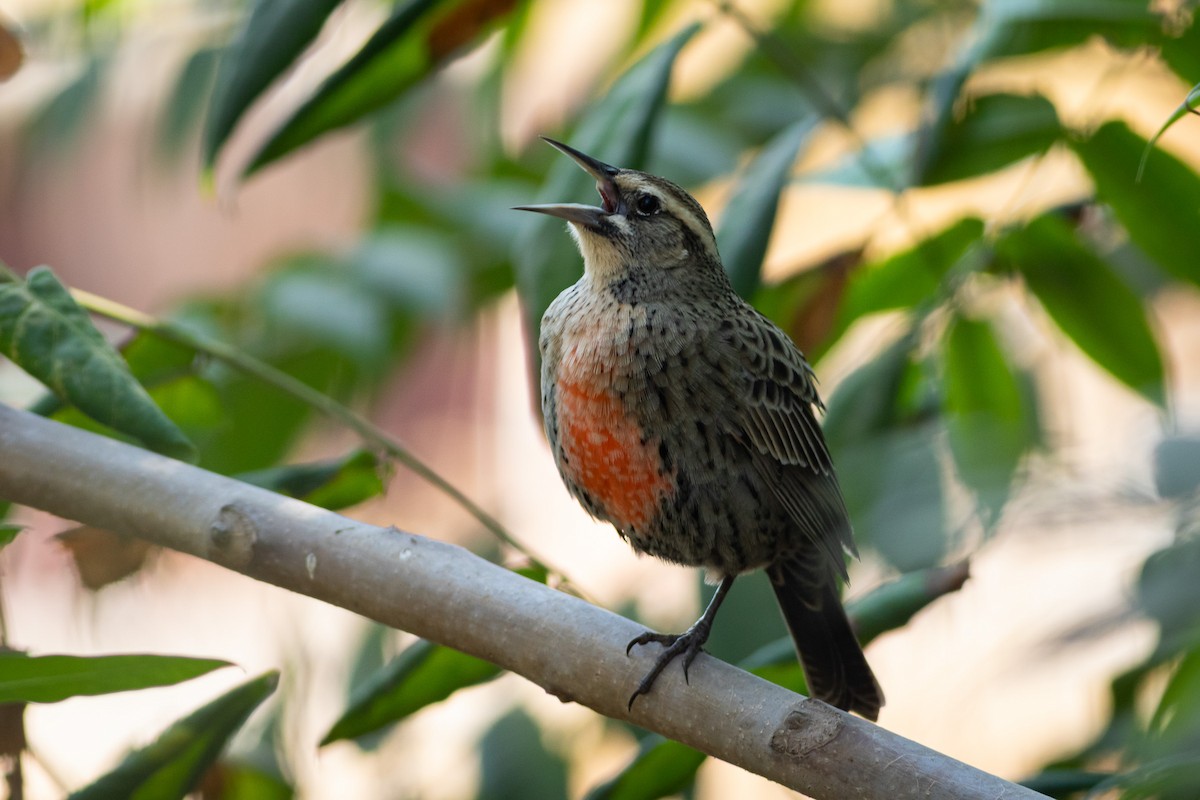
(833,661)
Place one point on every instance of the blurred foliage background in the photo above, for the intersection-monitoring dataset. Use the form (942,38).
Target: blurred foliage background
(954,207)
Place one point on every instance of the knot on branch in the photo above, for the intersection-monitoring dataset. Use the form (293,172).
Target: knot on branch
(231,538)
(810,725)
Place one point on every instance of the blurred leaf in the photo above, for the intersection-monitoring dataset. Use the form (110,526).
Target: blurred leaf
(1188,106)
(806,305)
(190,402)
(1176,720)
(179,120)
(1177,467)
(892,605)
(881,432)
(310,303)
(516,764)
(1168,593)
(48,335)
(173,764)
(370,658)
(617,130)
(59,123)
(416,270)
(1159,211)
(49,679)
(1021,27)
(333,484)
(985,414)
(703,147)
(749,217)
(103,557)
(908,278)
(9,532)
(997,130)
(661,768)
(1065,782)
(882,163)
(409,45)
(897,500)
(425,673)
(231,780)
(865,402)
(275,34)
(152,359)
(261,422)
(1182,52)
(1088,302)
(11,52)
(753,606)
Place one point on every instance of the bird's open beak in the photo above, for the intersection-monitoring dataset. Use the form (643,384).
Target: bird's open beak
(577,212)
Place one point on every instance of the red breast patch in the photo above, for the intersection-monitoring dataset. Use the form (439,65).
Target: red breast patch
(607,457)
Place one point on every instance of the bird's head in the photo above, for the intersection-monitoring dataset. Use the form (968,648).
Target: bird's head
(643,222)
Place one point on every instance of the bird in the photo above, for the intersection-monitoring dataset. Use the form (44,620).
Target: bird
(684,417)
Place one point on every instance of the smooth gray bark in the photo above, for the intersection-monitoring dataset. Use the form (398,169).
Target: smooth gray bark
(444,593)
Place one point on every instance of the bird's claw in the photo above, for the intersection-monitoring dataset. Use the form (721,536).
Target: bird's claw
(688,644)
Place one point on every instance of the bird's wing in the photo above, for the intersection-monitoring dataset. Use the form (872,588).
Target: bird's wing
(778,421)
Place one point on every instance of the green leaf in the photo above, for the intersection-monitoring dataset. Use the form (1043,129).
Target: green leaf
(409,45)
(661,768)
(1190,105)
(332,484)
(1064,782)
(749,218)
(173,764)
(617,130)
(311,304)
(1022,27)
(985,412)
(1182,52)
(1177,467)
(1159,211)
(882,433)
(882,163)
(178,121)
(892,605)
(9,532)
(516,764)
(241,781)
(275,34)
(425,673)
(62,120)
(416,270)
(1088,302)
(48,335)
(908,278)
(49,679)
(996,131)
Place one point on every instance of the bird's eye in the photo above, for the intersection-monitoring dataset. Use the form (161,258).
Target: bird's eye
(647,204)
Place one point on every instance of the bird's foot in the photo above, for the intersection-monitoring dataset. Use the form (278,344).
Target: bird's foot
(687,644)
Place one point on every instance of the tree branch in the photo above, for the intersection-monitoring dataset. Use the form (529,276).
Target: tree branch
(573,650)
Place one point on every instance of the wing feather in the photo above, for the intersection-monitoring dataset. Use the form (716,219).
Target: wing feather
(777,419)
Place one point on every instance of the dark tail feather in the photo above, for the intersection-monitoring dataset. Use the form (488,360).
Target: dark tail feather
(834,664)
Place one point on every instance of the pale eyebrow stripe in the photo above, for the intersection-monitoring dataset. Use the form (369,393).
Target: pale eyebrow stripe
(687,214)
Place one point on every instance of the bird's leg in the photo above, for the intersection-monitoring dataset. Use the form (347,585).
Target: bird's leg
(687,643)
